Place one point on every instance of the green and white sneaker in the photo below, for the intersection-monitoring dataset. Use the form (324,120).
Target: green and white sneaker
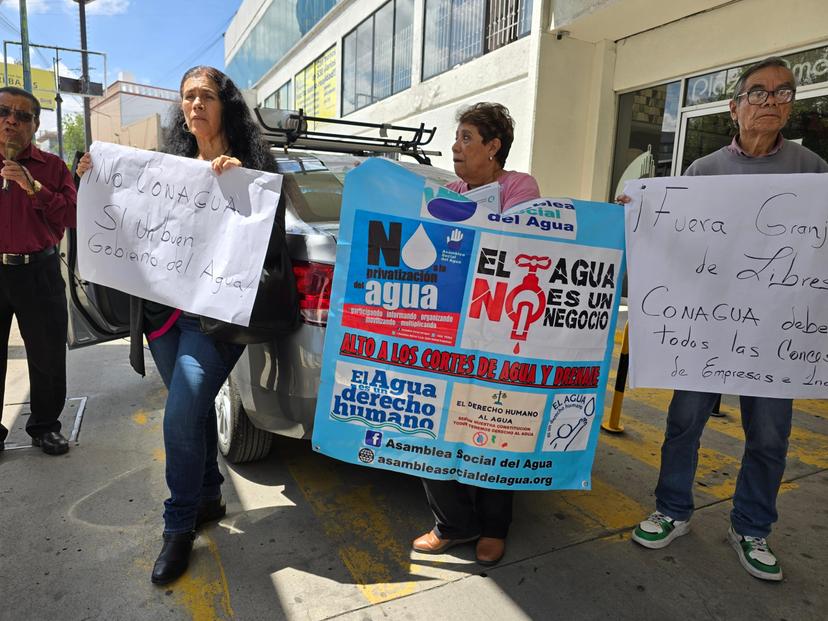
(755,556)
(658,530)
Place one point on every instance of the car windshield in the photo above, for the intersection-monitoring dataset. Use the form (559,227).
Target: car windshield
(316,196)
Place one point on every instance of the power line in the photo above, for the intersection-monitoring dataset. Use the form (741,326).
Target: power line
(187,62)
(16,30)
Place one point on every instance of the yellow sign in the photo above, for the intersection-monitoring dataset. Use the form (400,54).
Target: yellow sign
(314,87)
(326,83)
(43,83)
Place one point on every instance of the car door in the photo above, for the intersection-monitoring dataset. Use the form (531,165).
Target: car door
(96,313)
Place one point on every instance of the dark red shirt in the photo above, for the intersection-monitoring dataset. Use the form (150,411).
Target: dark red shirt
(33,223)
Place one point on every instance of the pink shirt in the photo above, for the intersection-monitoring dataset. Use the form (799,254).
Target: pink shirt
(515,187)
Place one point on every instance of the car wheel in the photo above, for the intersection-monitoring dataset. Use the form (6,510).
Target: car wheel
(238,440)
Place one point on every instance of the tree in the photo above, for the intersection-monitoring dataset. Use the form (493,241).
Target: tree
(74,135)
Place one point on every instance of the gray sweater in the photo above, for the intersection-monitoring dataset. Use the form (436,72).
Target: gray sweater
(791,158)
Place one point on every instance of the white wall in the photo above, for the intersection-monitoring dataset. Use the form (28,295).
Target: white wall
(597,20)
(574,117)
(724,37)
(501,76)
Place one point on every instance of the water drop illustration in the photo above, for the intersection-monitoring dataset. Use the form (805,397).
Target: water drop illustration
(419,253)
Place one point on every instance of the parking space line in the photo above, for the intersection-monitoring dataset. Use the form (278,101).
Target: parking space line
(642,442)
(809,447)
(607,505)
(814,407)
(356,521)
(203,590)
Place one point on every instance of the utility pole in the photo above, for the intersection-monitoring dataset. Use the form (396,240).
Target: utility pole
(87,113)
(24,42)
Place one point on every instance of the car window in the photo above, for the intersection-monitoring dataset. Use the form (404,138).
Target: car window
(314,183)
(304,164)
(316,196)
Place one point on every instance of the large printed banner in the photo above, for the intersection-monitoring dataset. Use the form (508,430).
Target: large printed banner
(464,343)
(168,229)
(728,284)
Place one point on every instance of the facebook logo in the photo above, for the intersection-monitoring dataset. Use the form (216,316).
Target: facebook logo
(373,438)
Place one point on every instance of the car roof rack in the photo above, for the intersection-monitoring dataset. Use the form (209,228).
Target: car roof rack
(288,129)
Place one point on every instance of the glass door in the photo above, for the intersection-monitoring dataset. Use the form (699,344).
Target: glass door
(708,129)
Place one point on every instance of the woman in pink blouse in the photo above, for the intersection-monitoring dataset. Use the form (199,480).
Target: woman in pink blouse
(484,136)
(464,513)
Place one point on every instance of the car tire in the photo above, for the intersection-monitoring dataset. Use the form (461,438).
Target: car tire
(238,440)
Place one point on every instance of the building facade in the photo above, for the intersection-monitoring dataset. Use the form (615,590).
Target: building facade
(591,83)
(132,114)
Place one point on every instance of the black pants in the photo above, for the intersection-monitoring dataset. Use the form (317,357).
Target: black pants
(462,511)
(34,293)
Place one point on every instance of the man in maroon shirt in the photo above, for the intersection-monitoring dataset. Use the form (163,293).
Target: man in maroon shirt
(37,202)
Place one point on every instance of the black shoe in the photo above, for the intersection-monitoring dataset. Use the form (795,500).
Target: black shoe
(51,443)
(210,511)
(174,558)
(3,433)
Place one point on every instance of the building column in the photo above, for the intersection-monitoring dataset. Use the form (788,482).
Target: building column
(574,117)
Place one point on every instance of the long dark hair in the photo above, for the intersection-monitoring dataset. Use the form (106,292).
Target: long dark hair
(242,132)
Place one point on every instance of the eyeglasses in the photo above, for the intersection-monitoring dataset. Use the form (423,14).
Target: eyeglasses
(758,96)
(20,115)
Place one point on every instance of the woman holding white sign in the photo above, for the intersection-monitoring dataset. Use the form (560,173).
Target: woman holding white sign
(462,512)
(211,123)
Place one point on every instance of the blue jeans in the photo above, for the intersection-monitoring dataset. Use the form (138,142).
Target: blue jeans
(193,367)
(767,425)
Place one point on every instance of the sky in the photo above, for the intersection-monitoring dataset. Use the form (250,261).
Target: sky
(154,40)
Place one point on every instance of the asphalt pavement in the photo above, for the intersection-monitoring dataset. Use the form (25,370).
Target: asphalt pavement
(307,537)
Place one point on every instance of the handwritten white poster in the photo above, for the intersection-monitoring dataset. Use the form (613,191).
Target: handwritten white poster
(728,284)
(169,229)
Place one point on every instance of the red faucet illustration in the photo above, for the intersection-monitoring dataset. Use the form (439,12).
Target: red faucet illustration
(525,303)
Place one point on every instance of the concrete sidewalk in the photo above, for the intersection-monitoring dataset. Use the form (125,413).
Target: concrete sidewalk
(307,537)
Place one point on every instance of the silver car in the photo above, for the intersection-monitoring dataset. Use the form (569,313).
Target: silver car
(273,387)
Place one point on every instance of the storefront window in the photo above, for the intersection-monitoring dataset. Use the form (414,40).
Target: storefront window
(457,31)
(348,75)
(280,99)
(711,86)
(808,125)
(507,22)
(377,56)
(403,44)
(809,67)
(653,117)
(704,135)
(364,62)
(646,120)
(383,58)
